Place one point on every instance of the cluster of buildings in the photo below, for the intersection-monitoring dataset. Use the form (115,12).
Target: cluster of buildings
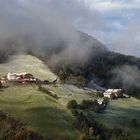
(21,77)
(18,77)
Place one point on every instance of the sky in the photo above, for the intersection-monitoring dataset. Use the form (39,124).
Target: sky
(121,19)
(113,22)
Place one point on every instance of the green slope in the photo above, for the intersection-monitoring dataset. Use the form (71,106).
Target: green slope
(120,113)
(49,116)
(27,63)
(40,111)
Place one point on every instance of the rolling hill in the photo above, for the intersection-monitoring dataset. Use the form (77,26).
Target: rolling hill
(50,116)
(41,112)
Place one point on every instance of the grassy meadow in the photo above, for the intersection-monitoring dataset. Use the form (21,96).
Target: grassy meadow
(50,116)
(120,113)
(41,112)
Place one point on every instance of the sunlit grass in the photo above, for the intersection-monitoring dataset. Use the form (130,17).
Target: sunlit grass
(27,63)
(49,116)
(40,111)
(119,114)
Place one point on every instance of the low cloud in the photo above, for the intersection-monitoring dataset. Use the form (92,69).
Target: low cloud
(48,23)
(128,41)
(44,25)
(122,20)
(127,77)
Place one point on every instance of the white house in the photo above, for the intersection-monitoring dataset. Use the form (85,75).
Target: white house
(113,93)
(12,76)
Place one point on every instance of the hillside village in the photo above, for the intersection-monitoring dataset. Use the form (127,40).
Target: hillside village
(28,78)
(29,91)
(23,78)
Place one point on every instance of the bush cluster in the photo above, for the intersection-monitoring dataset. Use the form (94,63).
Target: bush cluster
(44,90)
(88,105)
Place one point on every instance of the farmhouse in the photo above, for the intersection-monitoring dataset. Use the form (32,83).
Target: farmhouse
(21,77)
(113,93)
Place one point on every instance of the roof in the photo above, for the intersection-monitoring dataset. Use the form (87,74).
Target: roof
(109,91)
(22,73)
(113,90)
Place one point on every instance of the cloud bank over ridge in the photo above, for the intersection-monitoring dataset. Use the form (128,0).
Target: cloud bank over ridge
(114,22)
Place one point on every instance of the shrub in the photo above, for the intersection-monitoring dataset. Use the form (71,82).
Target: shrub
(74,112)
(106,99)
(97,109)
(72,104)
(134,122)
(89,104)
(99,94)
(83,137)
